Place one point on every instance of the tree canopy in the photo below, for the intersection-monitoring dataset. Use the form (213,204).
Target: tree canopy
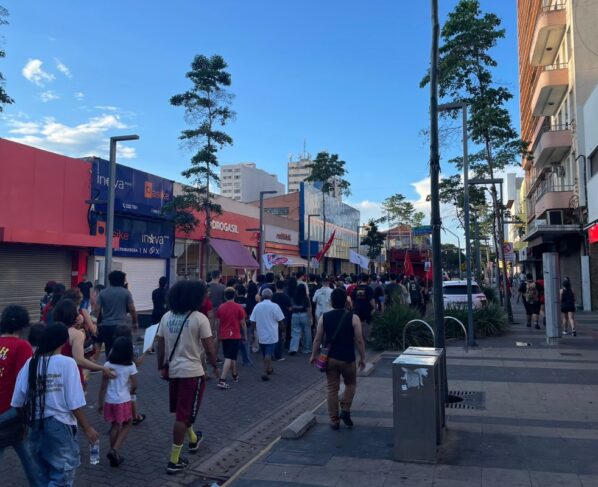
(4,98)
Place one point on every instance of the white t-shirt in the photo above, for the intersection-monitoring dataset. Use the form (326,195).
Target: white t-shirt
(322,300)
(64,392)
(119,388)
(266,316)
(186,361)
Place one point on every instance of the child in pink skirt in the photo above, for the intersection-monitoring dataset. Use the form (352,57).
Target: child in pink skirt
(115,396)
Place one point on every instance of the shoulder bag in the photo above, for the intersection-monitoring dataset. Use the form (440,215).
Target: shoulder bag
(322,360)
(165,375)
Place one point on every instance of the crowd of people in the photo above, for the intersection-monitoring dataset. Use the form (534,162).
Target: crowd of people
(45,367)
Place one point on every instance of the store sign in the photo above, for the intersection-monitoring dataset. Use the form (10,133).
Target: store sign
(139,238)
(593,233)
(423,230)
(136,192)
(224,226)
(281,235)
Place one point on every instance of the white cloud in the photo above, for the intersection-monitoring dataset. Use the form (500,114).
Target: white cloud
(47,96)
(87,138)
(368,210)
(79,95)
(33,72)
(125,152)
(110,108)
(63,68)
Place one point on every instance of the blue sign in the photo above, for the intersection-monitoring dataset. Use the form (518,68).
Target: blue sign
(424,230)
(140,238)
(136,192)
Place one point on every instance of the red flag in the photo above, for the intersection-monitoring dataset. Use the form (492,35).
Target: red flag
(326,247)
(407,265)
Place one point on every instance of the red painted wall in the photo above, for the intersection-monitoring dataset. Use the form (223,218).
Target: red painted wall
(42,190)
(242,222)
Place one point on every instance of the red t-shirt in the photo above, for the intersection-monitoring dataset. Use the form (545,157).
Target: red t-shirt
(206,307)
(14,352)
(230,315)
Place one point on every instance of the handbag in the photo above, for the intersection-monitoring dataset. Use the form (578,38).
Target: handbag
(165,375)
(12,428)
(322,360)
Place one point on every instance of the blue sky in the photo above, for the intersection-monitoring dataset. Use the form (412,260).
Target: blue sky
(342,74)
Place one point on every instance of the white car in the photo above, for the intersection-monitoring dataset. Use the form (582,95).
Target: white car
(455,294)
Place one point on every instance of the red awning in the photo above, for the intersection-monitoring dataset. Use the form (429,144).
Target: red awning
(233,254)
(42,237)
(593,233)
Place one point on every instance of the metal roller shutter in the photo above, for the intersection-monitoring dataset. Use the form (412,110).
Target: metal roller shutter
(142,276)
(24,271)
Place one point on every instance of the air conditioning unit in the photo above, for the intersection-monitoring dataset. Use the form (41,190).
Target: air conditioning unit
(554,217)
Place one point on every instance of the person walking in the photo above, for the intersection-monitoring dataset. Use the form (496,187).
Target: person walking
(114,398)
(300,321)
(57,292)
(49,390)
(415,293)
(531,300)
(282,300)
(85,287)
(47,297)
(233,330)
(159,300)
(114,303)
(241,299)
(14,352)
(184,333)
(342,331)
(362,298)
(568,307)
(321,298)
(267,317)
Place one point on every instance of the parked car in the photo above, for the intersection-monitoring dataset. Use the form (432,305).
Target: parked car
(455,294)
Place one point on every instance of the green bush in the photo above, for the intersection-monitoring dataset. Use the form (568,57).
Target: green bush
(387,329)
(490,294)
(489,320)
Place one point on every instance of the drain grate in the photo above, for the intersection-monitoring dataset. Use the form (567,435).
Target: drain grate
(469,400)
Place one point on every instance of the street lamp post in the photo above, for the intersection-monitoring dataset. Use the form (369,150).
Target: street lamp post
(309,239)
(262,247)
(111,196)
(458,244)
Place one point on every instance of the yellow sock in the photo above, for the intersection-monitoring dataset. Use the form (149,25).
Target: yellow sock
(191,435)
(175,454)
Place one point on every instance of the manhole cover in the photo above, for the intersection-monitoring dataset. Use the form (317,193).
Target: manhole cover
(469,400)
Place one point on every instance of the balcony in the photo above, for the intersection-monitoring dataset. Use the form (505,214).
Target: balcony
(551,88)
(548,34)
(553,142)
(554,197)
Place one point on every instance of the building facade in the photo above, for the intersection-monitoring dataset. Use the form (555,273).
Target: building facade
(558,70)
(297,172)
(243,182)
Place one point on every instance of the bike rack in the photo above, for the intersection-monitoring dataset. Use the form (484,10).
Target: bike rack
(416,321)
(464,330)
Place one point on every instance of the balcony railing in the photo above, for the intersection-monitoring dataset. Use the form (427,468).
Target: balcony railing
(551,7)
(555,67)
(552,188)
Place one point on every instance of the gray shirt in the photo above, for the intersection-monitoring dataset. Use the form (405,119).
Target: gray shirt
(216,293)
(114,303)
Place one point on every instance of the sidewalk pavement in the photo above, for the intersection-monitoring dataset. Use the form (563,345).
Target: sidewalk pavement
(538,427)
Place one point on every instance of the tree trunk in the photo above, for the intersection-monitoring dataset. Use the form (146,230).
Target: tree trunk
(324,229)
(208,211)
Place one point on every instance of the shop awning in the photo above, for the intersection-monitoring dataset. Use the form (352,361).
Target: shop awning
(233,254)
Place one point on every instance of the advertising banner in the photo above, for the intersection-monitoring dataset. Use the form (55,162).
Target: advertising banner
(136,192)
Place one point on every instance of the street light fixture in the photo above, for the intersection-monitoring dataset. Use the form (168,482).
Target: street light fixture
(111,195)
(262,247)
(309,238)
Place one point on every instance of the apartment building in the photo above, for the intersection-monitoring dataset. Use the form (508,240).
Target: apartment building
(244,181)
(558,70)
(297,173)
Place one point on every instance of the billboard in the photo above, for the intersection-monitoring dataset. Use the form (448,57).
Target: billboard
(136,192)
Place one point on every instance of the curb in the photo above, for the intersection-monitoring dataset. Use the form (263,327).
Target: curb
(299,426)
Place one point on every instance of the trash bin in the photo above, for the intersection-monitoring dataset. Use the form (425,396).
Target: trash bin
(435,352)
(415,408)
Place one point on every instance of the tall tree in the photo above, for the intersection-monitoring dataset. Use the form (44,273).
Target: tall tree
(207,108)
(374,240)
(465,75)
(4,98)
(329,171)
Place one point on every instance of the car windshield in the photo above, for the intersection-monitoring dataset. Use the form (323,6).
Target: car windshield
(460,289)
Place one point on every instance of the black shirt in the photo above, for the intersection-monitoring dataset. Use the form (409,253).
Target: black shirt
(343,346)
(299,307)
(362,296)
(85,288)
(390,289)
(159,302)
(415,292)
(282,300)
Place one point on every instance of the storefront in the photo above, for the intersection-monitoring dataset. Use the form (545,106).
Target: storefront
(44,232)
(282,249)
(145,234)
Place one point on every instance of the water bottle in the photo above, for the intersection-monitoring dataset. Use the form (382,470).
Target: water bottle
(94,452)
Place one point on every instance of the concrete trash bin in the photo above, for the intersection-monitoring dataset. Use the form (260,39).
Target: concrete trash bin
(415,408)
(435,352)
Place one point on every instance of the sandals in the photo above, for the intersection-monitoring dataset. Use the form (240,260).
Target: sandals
(139,419)
(114,458)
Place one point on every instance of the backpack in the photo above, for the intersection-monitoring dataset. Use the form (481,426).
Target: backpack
(531,295)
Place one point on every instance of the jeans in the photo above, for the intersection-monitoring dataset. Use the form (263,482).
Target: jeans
(300,326)
(55,449)
(334,371)
(282,334)
(245,352)
(23,450)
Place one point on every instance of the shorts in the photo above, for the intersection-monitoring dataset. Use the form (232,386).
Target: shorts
(230,348)
(267,349)
(532,308)
(185,395)
(567,309)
